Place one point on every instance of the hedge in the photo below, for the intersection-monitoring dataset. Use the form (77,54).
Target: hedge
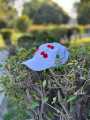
(51,94)
(37,37)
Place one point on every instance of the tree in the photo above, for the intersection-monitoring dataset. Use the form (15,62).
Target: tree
(45,12)
(84,1)
(7,14)
(6,10)
(30,8)
(83,10)
(50,13)
(84,14)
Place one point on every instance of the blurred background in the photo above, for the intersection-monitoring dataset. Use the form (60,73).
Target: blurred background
(43,20)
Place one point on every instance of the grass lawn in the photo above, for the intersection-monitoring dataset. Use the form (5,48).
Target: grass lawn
(80,41)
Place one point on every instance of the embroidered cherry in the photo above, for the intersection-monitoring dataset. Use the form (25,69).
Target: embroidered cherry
(50,46)
(44,54)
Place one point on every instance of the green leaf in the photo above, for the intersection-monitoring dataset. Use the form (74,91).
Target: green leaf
(1,65)
(72,98)
(45,99)
(44,83)
(34,104)
(54,100)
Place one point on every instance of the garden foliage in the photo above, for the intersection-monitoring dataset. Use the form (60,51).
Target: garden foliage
(45,12)
(49,34)
(22,23)
(61,93)
(83,9)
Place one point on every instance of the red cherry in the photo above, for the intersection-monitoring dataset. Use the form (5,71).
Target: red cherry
(50,46)
(42,53)
(45,55)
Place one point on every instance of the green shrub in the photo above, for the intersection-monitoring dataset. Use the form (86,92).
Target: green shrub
(47,93)
(44,15)
(38,37)
(22,23)
(79,29)
(6,34)
(25,41)
(3,24)
(16,112)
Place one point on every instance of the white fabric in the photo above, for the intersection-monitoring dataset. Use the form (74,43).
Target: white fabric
(39,63)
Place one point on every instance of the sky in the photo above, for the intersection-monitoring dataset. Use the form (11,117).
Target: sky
(66,4)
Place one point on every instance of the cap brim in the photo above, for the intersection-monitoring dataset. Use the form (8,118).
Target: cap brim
(38,65)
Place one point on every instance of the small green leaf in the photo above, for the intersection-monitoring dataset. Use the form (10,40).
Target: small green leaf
(71,98)
(34,104)
(44,83)
(1,65)
(45,99)
(54,100)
